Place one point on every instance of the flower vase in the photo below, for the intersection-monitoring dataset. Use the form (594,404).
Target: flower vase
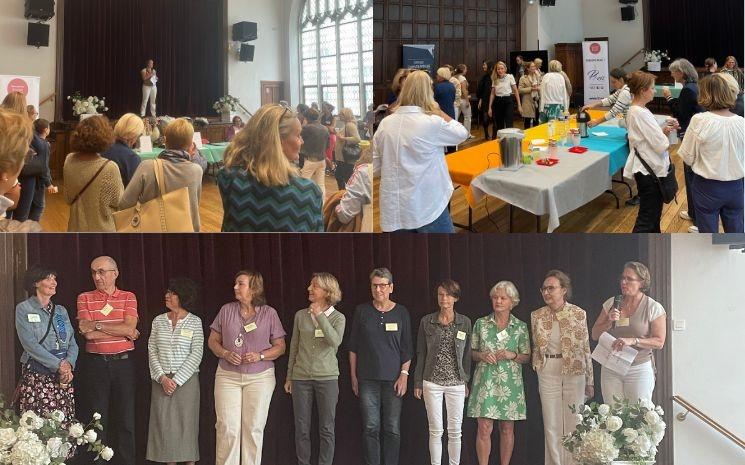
(225,116)
(654,66)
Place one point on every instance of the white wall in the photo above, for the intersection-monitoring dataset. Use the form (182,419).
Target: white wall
(17,58)
(556,24)
(708,368)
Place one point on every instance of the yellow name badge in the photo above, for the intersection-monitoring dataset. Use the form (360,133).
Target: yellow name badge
(502,335)
(461,335)
(106,310)
(34,318)
(250,327)
(623,322)
(187,333)
(391,326)
(319,333)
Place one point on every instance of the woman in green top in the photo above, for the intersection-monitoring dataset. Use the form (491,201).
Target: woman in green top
(500,346)
(313,369)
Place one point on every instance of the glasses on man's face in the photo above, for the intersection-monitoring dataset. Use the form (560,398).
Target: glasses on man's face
(379,285)
(547,289)
(100,272)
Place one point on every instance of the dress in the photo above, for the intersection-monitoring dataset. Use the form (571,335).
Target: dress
(497,391)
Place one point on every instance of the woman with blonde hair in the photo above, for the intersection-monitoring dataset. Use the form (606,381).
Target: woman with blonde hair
(503,92)
(15,136)
(529,86)
(409,145)
(398,81)
(555,91)
(730,67)
(347,150)
(15,101)
(261,189)
(127,132)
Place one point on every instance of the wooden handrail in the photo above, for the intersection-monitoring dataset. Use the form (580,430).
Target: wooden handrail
(706,419)
(632,57)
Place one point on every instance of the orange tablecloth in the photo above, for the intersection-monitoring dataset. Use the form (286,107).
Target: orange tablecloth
(465,165)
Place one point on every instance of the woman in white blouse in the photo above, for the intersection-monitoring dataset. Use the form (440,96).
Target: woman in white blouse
(713,147)
(174,353)
(649,141)
(503,92)
(554,92)
(408,154)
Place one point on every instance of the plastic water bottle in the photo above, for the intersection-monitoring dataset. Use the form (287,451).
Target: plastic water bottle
(551,124)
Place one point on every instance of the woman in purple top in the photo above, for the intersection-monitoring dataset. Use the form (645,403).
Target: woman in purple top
(246,336)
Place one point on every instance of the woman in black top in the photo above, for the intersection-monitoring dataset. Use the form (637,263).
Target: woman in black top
(483,92)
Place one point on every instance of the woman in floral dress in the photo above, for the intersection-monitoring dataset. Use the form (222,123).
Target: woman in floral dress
(499,346)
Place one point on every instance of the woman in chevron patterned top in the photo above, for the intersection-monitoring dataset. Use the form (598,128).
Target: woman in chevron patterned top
(261,189)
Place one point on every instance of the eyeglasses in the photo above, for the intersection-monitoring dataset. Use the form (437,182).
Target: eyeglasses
(549,289)
(286,107)
(380,286)
(626,279)
(100,272)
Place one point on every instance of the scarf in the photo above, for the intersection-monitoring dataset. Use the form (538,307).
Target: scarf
(176,156)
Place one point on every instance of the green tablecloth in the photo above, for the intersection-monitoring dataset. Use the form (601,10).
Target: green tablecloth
(213,153)
(674,91)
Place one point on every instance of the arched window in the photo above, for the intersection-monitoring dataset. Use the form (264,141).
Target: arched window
(336,53)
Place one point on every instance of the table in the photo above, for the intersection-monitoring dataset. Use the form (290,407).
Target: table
(213,153)
(674,91)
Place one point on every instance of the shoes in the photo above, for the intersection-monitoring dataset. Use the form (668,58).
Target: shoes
(692,228)
(470,136)
(633,201)
(684,214)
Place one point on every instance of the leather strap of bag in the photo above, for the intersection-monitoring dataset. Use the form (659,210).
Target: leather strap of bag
(649,170)
(90,182)
(17,392)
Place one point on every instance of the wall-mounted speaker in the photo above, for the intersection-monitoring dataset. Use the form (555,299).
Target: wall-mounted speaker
(247,52)
(244,31)
(629,2)
(628,13)
(42,10)
(548,2)
(38,35)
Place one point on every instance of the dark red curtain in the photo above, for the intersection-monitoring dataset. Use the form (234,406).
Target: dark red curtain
(698,29)
(107,42)
(477,262)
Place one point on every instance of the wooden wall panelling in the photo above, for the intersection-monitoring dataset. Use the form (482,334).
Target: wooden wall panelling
(12,262)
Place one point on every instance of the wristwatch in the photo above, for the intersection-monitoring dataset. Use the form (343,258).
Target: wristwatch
(99,326)
(261,356)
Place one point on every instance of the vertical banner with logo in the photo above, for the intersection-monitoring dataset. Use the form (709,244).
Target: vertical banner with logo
(419,57)
(27,85)
(595,66)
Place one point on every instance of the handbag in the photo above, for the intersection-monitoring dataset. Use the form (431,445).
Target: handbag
(350,152)
(668,185)
(169,212)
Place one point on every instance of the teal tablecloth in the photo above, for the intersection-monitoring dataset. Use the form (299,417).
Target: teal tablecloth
(674,91)
(213,153)
(616,144)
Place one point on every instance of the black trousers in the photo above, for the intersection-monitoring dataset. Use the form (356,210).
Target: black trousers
(502,113)
(342,173)
(484,117)
(650,204)
(109,389)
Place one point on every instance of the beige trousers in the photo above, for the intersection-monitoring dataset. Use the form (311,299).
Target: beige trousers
(316,171)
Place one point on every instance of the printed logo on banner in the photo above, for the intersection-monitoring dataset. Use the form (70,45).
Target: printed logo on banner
(595,48)
(18,85)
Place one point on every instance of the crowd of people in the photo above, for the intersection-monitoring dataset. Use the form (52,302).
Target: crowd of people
(247,336)
(265,183)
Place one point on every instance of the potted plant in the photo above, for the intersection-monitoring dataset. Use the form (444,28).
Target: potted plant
(621,433)
(85,107)
(225,106)
(49,440)
(653,58)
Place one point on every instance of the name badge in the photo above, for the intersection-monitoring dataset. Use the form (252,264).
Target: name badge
(461,335)
(391,326)
(106,310)
(187,333)
(250,327)
(502,335)
(34,318)
(319,333)
(623,322)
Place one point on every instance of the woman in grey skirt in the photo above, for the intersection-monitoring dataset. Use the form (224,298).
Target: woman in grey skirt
(174,353)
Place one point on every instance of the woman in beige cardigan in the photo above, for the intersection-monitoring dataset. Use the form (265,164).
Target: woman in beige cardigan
(529,88)
(350,135)
(561,357)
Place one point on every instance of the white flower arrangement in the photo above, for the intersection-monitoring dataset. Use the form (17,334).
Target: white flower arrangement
(655,55)
(226,103)
(86,105)
(35,440)
(620,431)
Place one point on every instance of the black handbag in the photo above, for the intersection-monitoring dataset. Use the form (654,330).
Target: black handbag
(350,152)
(668,185)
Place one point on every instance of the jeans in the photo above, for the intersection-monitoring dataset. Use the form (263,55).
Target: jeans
(464,109)
(326,394)
(715,199)
(442,224)
(688,176)
(650,204)
(342,173)
(455,397)
(380,408)
(31,203)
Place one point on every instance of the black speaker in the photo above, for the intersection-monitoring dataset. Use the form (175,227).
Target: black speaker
(247,52)
(548,2)
(42,10)
(244,31)
(628,13)
(38,35)
(629,2)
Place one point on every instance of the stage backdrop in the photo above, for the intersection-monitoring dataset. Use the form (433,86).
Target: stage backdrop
(477,262)
(107,42)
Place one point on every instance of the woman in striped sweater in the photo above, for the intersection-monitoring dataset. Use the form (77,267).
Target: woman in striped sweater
(618,101)
(174,352)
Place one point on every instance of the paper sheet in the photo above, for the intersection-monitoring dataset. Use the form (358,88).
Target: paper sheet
(617,361)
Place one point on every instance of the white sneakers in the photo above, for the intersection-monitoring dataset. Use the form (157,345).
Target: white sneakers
(684,214)
(692,229)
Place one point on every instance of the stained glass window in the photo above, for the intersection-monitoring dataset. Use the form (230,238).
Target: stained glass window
(336,53)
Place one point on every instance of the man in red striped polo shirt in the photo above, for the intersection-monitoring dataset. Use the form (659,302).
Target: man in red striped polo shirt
(107,319)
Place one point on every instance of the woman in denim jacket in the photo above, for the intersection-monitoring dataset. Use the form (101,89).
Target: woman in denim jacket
(443,370)
(49,348)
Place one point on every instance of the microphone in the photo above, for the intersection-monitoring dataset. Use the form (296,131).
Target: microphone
(616,306)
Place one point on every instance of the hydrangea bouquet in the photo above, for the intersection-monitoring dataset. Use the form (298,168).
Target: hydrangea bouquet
(621,431)
(35,440)
(86,105)
(226,104)
(655,55)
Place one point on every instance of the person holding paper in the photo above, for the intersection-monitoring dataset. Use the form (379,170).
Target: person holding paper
(149,88)
(561,357)
(443,370)
(179,170)
(635,320)
(313,369)
(127,132)
(500,346)
(247,336)
(175,351)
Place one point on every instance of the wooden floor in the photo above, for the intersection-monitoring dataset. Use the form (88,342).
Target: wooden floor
(598,216)
(57,212)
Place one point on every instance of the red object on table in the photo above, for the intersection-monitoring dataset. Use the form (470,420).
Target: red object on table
(547,161)
(578,149)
